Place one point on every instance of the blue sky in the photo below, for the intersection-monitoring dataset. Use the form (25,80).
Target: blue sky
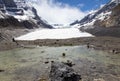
(84,5)
(66,11)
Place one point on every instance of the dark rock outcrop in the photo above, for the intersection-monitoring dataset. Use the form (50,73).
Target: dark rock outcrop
(9,21)
(29,24)
(103,31)
(9,3)
(39,21)
(62,72)
(1,70)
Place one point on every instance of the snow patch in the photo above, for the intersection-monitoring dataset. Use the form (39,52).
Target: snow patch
(76,26)
(113,0)
(102,16)
(2,16)
(21,17)
(54,34)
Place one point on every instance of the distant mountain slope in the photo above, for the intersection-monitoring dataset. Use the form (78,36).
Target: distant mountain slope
(112,21)
(99,14)
(103,22)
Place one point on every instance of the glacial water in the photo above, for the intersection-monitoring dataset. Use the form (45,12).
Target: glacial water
(28,64)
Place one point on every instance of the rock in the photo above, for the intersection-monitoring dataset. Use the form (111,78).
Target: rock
(63,54)
(1,70)
(62,72)
(88,45)
(100,79)
(42,80)
(42,51)
(29,24)
(46,67)
(46,62)
(52,61)
(9,21)
(9,3)
(69,63)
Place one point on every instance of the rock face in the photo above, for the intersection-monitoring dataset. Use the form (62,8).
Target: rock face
(107,27)
(112,21)
(9,21)
(62,72)
(9,3)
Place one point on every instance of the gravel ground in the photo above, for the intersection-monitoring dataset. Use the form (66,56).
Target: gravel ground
(111,44)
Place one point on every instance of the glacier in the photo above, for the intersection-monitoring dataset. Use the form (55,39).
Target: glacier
(65,33)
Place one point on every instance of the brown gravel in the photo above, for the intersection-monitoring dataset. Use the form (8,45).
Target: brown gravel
(111,44)
(100,43)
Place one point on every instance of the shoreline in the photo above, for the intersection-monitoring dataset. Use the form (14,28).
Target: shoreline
(111,44)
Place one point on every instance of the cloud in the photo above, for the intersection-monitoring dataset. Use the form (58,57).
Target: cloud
(102,5)
(56,12)
(80,5)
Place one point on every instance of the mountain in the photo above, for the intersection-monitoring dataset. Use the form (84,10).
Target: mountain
(23,13)
(17,17)
(99,14)
(102,22)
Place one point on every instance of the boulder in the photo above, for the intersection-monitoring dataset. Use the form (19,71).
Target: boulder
(1,70)
(62,72)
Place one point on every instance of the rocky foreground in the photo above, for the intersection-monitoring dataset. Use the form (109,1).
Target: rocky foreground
(66,63)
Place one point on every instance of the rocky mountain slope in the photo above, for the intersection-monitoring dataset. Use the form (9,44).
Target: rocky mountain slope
(102,22)
(21,13)
(99,14)
(112,21)
(17,17)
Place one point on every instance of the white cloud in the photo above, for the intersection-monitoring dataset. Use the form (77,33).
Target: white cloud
(56,12)
(102,5)
(80,5)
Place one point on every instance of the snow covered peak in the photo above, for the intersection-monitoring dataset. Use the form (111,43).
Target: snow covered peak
(2,16)
(103,13)
(113,0)
(23,12)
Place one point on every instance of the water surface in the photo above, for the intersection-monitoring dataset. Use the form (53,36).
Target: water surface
(25,64)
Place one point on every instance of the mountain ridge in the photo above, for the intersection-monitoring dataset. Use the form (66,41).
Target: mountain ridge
(89,18)
(26,15)
(103,22)
(16,20)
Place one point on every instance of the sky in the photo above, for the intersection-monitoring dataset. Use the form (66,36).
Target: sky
(65,11)
(84,5)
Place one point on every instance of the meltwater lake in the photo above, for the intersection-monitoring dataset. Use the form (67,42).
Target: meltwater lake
(28,64)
